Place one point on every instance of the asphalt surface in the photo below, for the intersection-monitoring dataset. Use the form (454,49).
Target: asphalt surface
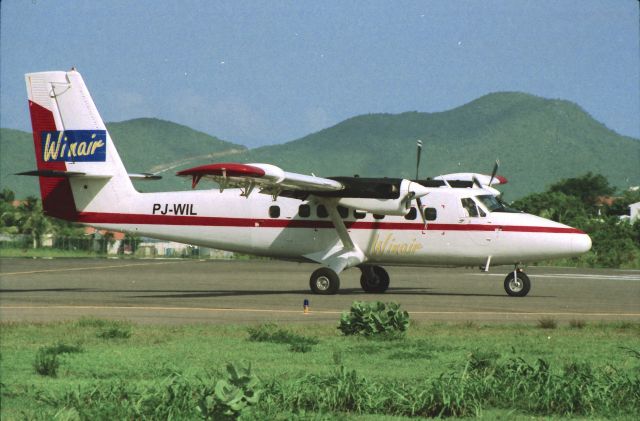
(237,292)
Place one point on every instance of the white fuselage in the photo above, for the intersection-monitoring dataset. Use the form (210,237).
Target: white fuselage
(228,221)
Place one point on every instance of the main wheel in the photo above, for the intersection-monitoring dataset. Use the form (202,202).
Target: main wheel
(324,281)
(374,279)
(517,286)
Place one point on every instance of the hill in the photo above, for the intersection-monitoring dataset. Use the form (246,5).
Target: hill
(537,140)
(144,144)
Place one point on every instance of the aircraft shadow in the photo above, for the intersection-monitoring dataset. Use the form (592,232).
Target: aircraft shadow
(154,293)
(14,290)
(306,292)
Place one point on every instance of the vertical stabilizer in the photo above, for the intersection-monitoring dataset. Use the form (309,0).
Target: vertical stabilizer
(70,138)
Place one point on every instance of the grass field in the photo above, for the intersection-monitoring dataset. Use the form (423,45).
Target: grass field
(98,369)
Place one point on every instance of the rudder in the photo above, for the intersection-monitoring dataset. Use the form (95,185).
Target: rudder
(78,166)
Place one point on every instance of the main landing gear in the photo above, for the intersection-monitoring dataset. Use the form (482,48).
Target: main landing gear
(325,281)
(517,283)
(374,279)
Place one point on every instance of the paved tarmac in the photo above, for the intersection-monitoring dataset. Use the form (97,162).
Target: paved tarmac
(239,292)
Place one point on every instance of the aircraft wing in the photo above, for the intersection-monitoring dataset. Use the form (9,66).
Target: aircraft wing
(266,176)
(483,179)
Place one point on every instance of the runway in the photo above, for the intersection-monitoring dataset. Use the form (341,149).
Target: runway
(239,292)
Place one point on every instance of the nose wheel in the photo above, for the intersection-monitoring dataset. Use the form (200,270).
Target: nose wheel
(517,283)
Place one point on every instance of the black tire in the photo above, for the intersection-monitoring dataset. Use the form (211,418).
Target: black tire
(324,281)
(374,279)
(517,286)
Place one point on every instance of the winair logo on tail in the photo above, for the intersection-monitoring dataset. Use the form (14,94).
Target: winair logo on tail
(74,146)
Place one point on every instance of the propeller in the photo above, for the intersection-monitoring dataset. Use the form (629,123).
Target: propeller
(494,172)
(419,144)
(418,201)
(478,183)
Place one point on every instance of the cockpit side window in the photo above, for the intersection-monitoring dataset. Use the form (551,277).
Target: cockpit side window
(470,206)
(494,204)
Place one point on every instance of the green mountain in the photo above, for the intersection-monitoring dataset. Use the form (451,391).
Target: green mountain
(145,145)
(537,140)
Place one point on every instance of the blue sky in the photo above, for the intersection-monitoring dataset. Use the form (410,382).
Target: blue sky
(264,72)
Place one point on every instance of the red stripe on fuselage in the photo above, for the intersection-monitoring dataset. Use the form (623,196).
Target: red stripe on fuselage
(138,219)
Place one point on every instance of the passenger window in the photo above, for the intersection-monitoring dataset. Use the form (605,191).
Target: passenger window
(430,214)
(359,215)
(413,213)
(376,216)
(304,211)
(274,211)
(470,206)
(322,211)
(344,212)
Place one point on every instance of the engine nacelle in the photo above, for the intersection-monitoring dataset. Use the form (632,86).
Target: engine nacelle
(400,205)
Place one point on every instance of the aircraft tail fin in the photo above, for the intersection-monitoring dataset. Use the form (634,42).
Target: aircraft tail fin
(78,166)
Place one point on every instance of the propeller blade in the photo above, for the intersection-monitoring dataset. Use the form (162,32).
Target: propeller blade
(419,144)
(494,172)
(421,211)
(477,182)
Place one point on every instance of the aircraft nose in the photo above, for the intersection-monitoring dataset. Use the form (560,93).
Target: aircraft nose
(580,243)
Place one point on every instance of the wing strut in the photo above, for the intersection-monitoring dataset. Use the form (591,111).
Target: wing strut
(344,253)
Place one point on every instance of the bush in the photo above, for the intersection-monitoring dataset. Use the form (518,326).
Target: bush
(547,323)
(375,319)
(232,396)
(46,362)
(114,332)
(272,333)
(577,324)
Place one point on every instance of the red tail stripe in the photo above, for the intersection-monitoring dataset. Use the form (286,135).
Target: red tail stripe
(57,198)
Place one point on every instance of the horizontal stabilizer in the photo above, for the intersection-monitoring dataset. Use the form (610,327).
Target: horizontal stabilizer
(65,174)
(144,176)
(68,174)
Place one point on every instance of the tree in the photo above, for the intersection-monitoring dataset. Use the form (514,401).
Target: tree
(7,212)
(621,205)
(613,243)
(31,220)
(557,206)
(588,188)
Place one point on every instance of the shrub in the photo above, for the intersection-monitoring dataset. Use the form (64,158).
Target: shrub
(375,319)
(46,363)
(577,324)
(114,332)
(547,323)
(232,396)
(272,333)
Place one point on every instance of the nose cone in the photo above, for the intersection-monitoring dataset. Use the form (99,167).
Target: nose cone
(580,243)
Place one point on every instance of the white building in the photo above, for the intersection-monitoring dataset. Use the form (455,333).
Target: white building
(634,212)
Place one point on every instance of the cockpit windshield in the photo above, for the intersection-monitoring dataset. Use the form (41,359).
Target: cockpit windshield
(494,204)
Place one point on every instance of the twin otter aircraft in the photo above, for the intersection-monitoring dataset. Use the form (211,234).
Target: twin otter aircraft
(337,222)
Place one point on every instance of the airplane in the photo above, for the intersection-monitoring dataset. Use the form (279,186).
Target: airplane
(260,209)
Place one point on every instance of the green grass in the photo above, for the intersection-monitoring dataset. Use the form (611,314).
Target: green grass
(159,372)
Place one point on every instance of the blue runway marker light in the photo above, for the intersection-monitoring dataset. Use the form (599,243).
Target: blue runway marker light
(306,306)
